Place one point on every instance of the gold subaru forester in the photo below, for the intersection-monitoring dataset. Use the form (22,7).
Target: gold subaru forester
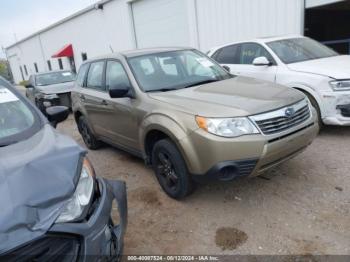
(189,118)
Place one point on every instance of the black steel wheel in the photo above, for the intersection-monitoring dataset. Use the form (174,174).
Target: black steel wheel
(89,139)
(171,170)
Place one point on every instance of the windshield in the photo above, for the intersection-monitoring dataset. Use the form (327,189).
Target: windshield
(54,78)
(175,70)
(17,120)
(300,49)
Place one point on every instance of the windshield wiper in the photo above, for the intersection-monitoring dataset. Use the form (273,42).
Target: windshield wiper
(202,82)
(4,145)
(161,90)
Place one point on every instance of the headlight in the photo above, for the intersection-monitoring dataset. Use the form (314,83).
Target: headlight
(51,96)
(227,127)
(343,85)
(81,198)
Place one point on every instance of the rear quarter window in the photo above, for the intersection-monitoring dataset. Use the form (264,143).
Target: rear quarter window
(82,75)
(227,55)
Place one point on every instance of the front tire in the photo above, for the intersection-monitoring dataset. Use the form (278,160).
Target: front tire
(89,139)
(316,106)
(171,170)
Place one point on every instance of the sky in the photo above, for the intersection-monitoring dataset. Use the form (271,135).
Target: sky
(20,18)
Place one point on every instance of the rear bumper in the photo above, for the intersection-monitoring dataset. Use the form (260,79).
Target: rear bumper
(99,237)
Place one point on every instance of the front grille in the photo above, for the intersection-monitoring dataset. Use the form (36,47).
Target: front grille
(344,110)
(65,100)
(246,167)
(48,248)
(237,169)
(283,119)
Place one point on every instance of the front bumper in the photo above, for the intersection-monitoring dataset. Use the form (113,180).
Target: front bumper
(211,157)
(49,100)
(95,239)
(98,236)
(335,107)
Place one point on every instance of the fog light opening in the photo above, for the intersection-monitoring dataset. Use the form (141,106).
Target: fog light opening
(228,173)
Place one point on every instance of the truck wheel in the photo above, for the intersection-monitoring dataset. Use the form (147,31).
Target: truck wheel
(89,139)
(171,170)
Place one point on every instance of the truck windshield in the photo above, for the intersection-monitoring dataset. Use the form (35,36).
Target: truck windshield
(16,119)
(300,49)
(54,78)
(166,71)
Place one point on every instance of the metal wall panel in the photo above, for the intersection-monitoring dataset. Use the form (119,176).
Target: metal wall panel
(224,21)
(160,23)
(96,32)
(198,23)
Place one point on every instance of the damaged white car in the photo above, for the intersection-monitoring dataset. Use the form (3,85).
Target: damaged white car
(298,62)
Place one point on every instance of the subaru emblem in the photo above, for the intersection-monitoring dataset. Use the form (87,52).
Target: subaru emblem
(289,112)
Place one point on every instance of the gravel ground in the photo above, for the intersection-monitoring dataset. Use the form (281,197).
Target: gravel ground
(301,207)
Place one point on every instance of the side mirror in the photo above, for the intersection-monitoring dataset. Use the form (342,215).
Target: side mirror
(227,68)
(261,61)
(57,114)
(119,91)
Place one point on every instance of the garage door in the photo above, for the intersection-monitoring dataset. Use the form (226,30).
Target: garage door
(225,21)
(160,23)
(316,3)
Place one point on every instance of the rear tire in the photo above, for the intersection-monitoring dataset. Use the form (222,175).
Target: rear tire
(89,139)
(171,170)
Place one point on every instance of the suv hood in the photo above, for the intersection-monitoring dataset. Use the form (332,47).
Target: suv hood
(239,96)
(37,177)
(56,89)
(337,67)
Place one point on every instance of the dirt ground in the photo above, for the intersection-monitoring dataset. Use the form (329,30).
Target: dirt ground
(302,207)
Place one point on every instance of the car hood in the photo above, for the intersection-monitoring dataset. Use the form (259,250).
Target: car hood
(239,96)
(337,67)
(56,89)
(37,177)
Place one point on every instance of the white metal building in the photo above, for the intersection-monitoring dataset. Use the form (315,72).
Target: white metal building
(114,25)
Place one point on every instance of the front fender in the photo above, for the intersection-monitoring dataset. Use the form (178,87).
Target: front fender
(311,91)
(163,123)
(172,127)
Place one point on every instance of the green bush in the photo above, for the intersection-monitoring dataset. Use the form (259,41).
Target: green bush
(23,83)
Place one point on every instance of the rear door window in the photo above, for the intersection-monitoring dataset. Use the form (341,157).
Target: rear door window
(250,51)
(95,75)
(227,55)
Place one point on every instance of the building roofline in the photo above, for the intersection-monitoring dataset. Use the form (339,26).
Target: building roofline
(62,21)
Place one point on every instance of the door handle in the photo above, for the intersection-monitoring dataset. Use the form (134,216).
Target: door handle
(82,97)
(104,102)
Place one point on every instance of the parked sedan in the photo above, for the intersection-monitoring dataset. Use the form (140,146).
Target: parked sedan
(188,117)
(53,207)
(50,89)
(298,62)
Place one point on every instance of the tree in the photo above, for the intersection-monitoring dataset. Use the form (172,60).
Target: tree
(4,72)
